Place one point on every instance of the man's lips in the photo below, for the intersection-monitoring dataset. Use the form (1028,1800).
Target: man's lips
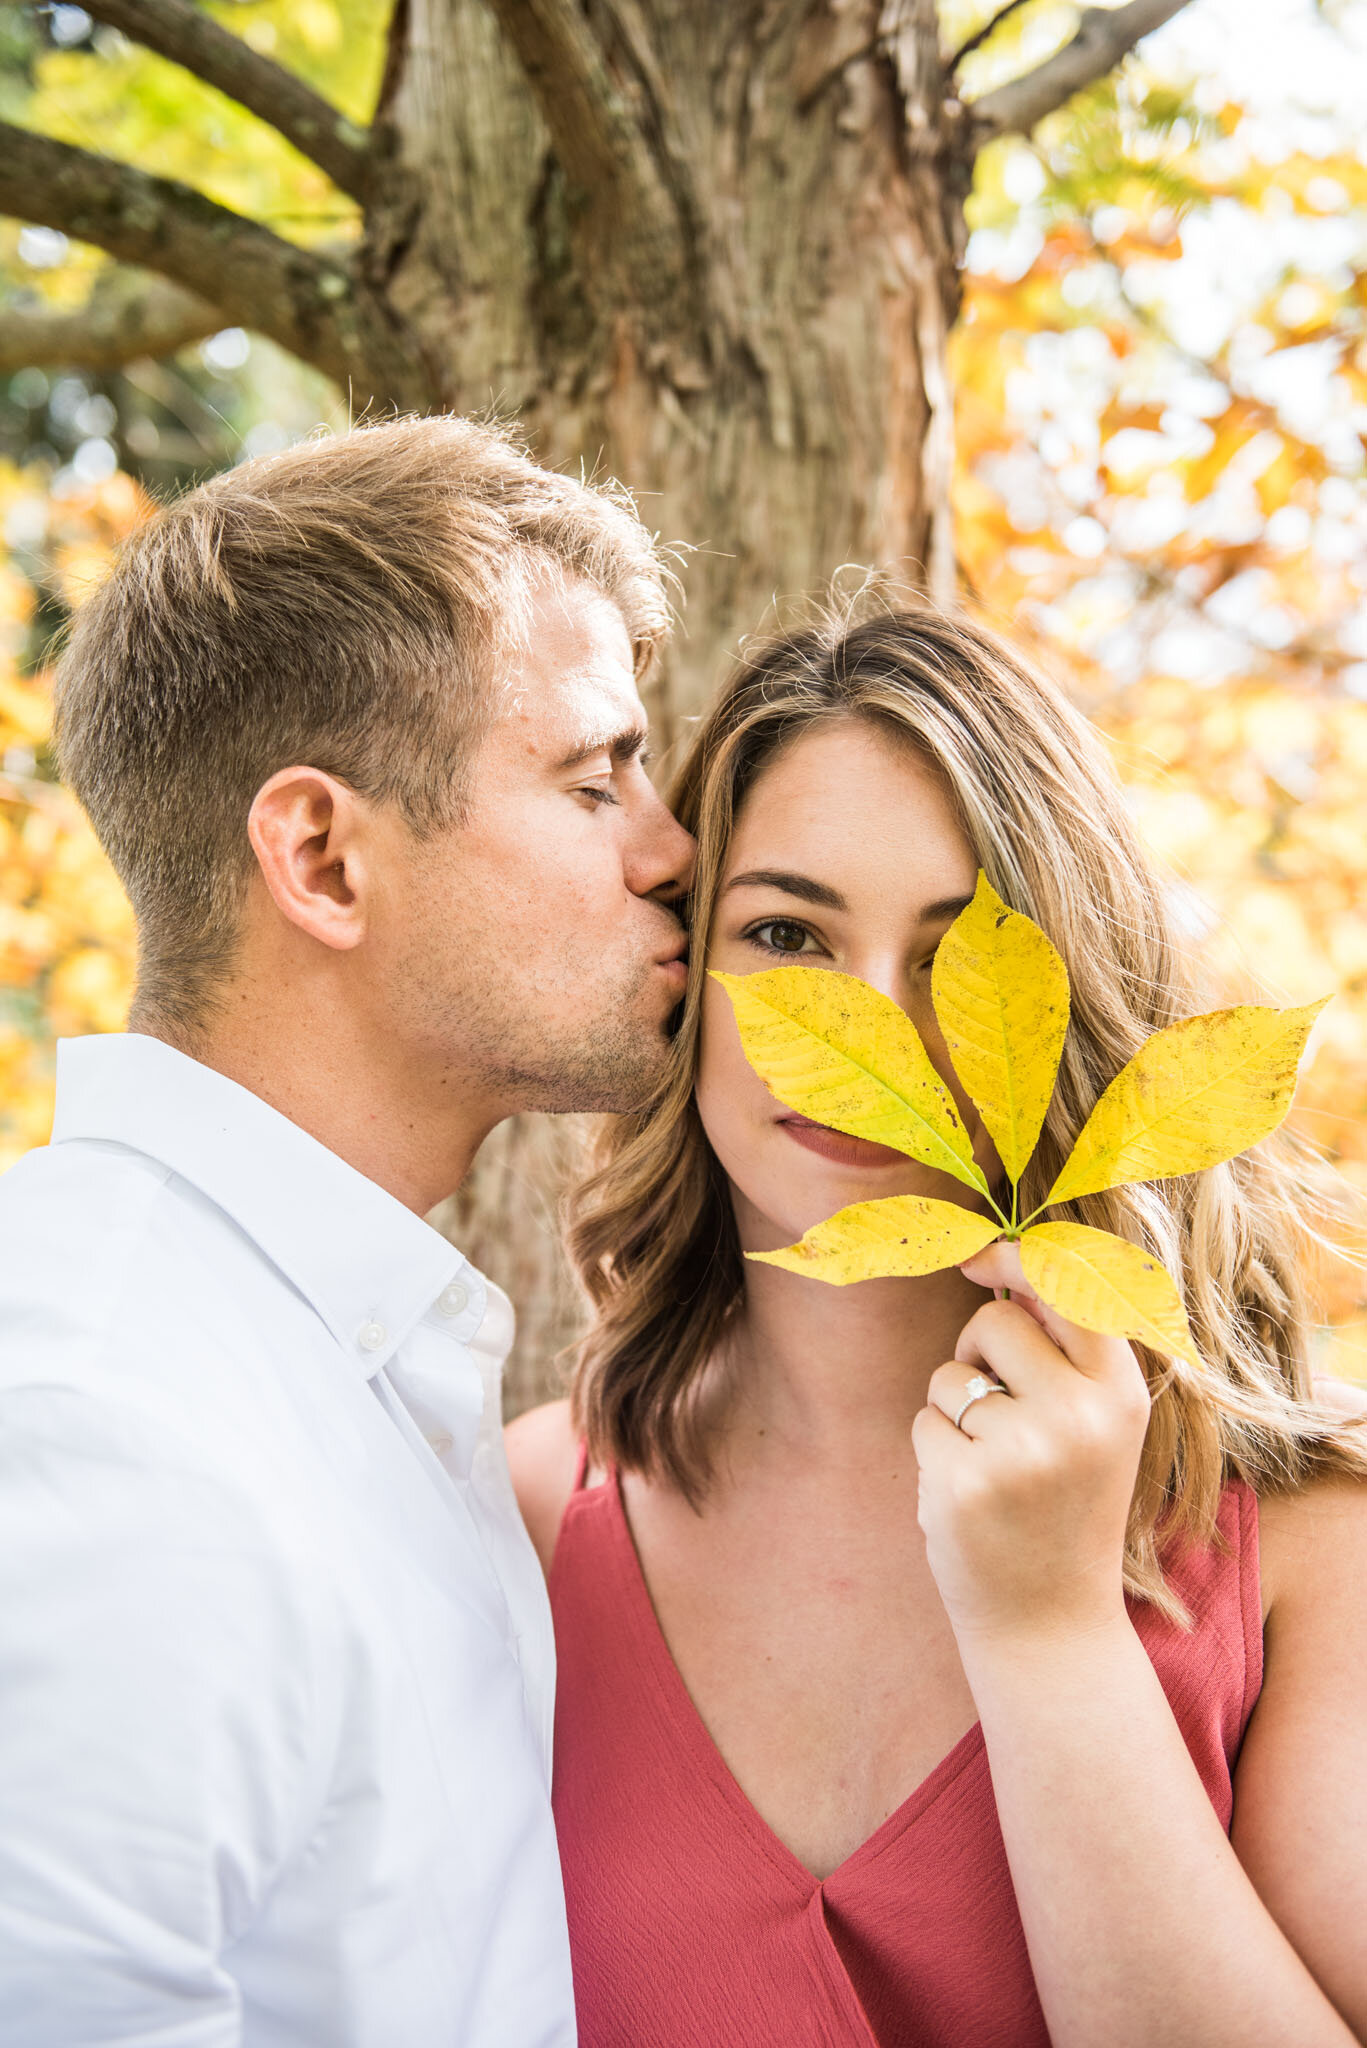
(838,1145)
(674,964)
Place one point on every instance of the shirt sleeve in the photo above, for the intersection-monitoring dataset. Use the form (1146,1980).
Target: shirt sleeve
(159,1754)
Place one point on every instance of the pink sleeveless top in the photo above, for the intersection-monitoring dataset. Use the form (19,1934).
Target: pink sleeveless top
(692,1926)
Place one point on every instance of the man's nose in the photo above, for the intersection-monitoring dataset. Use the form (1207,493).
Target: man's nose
(663,854)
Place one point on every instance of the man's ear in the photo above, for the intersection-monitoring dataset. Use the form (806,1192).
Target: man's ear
(306,830)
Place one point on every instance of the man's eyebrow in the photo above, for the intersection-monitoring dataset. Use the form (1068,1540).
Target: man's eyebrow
(809,891)
(622,744)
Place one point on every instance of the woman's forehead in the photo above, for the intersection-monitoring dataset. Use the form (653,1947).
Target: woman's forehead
(841,791)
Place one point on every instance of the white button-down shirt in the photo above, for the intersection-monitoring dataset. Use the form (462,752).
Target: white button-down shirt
(276,1663)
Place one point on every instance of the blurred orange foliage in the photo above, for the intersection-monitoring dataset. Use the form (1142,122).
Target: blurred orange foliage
(66,931)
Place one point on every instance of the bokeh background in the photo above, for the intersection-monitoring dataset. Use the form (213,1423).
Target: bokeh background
(1160,392)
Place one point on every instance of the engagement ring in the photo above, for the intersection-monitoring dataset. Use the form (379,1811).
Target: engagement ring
(977,1389)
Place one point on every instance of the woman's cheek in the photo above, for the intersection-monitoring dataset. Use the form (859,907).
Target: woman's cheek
(738,1115)
(729,1092)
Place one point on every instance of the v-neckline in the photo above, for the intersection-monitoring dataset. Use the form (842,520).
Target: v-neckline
(682,1710)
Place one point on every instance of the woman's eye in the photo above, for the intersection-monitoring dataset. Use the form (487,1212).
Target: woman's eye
(783,936)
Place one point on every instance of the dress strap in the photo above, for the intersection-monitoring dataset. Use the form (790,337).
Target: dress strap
(581,1466)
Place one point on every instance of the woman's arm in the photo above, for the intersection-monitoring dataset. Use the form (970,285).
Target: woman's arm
(1300,1806)
(542,1454)
(1145,1928)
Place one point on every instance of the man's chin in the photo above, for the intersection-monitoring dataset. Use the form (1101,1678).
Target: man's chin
(619,1074)
(619,1094)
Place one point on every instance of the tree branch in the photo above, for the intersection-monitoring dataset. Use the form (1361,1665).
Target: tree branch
(308,302)
(1104,36)
(177,29)
(983,35)
(599,144)
(127,315)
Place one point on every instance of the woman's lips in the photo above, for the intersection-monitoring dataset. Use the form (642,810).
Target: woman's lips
(839,1146)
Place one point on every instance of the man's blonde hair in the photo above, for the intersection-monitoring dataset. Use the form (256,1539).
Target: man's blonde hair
(344,605)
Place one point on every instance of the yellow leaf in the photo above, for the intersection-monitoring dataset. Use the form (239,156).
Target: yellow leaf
(1001,995)
(834,1049)
(900,1235)
(1103,1283)
(1192,1095)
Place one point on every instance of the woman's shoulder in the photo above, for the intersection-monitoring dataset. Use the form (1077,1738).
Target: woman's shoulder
(1312,1542)
(1312,1539)
(543,1457)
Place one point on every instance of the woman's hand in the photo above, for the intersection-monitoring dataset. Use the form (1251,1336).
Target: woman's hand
(1025,1504)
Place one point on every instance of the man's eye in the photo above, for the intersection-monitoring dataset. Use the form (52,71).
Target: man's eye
(599,795)
(784,936)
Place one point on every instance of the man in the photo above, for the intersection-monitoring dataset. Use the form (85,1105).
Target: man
(359,727)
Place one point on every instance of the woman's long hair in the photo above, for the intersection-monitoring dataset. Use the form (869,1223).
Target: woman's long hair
(652,1231)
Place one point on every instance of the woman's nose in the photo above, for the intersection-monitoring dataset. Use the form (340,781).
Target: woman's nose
(884,970)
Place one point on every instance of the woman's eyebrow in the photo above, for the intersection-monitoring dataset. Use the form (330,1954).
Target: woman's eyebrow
(948,907)
(809,891)
(801,886)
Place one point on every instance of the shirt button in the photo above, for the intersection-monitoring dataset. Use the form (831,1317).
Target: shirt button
(440,1441)
(453,1299)
(372,1336)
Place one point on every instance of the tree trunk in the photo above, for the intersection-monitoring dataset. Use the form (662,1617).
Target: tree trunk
(773,388)
(776,396)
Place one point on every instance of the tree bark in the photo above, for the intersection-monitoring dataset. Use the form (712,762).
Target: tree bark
(708,246)
(765,368)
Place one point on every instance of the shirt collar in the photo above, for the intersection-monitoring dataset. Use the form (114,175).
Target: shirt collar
(368,1266)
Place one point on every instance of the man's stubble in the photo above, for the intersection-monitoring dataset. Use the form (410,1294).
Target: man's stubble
(605,1053)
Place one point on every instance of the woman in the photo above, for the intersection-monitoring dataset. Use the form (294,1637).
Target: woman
(885,1718)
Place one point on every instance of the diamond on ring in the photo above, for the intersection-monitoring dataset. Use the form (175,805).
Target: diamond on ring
(977,1389)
